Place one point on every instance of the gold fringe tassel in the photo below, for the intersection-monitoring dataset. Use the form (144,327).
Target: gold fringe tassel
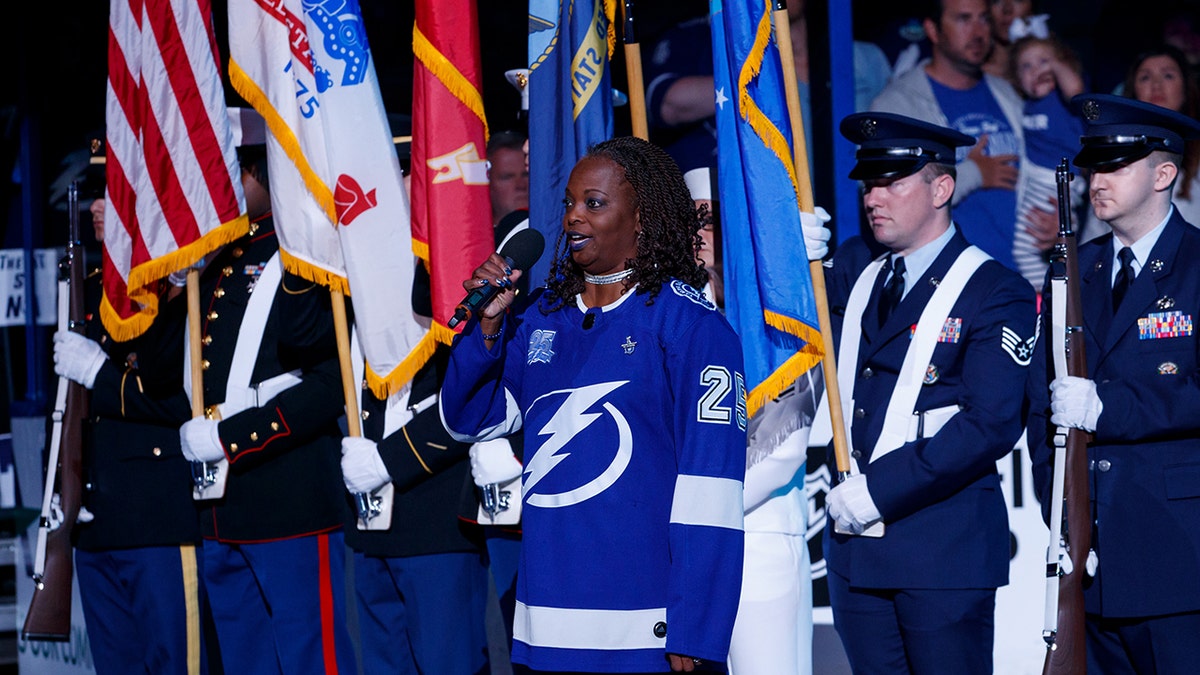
(384,386)
(314,273)
(450,76)
(250,91)
(151,271)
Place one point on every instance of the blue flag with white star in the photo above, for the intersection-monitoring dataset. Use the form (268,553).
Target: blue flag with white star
(768,289)
(570,103)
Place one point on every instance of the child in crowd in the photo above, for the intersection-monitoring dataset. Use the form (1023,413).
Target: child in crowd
(1048,75)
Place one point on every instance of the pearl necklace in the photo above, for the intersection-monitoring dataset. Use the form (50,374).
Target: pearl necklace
(605,279)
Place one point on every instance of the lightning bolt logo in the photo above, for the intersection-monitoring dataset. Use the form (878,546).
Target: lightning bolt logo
(568,421)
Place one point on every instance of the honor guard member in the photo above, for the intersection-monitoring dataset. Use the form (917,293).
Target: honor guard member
(274,552)
(1140,292)
(136,555)
(421,585)
(933,347)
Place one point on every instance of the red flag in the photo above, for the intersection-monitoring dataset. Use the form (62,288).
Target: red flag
(451,211)
(173,183)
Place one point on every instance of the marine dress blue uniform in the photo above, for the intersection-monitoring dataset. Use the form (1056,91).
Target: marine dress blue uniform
(634,417)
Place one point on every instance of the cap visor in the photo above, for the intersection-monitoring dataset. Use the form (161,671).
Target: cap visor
(886,167)
(1101,156)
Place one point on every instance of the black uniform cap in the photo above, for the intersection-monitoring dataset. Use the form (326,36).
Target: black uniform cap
(1122,130)
(894,146)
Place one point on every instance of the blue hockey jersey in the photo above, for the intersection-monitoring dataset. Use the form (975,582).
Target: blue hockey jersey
(635,445)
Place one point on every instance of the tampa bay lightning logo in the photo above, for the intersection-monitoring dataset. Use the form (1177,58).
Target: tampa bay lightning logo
(570,412)
(685,291)
(343,39)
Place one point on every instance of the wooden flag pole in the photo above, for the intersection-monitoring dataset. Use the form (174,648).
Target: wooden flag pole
(783,38)
(633,74)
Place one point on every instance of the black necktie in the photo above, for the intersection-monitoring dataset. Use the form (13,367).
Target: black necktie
(1124,277)
(893,289)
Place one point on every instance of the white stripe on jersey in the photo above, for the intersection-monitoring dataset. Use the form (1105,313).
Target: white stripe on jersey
(705,500)
(607,629)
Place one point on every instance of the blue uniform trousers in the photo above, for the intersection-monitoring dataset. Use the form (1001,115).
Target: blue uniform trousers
(1160,644)
(143,608)
(280,606)
(422,614)
(919,631)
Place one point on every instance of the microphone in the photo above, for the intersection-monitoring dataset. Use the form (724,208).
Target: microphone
(522,250)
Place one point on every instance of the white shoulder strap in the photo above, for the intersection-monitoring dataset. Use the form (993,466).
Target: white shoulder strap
(920,350)
(847,355)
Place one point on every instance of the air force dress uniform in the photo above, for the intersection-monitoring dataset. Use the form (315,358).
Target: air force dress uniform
(933,398)
(1144,458)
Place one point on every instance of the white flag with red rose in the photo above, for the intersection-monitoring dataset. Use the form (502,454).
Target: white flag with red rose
(337,193)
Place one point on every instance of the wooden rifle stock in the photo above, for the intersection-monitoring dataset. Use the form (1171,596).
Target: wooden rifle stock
(49,615)
(1066,650)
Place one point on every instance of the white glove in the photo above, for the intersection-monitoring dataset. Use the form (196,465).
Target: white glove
(494,462)
(850,504)
(200,440)
(816,234)
(362,467)
(77,358)
(1074,403)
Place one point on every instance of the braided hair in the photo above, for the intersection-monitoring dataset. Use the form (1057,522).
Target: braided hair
(669,237)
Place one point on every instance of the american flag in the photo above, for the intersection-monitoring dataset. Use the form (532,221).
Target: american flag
(173,183)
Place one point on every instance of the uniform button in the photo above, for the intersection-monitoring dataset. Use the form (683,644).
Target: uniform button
(254,435)
(156,451)
(366,414)
(1091,465)
(867,373)
(204,364)
(1104,465)
(227,271)
(207,340)
(274,426)
(859,413)
(237,252)
(660,629)
(233,447)
(220,292)
(212,316)
(856,454)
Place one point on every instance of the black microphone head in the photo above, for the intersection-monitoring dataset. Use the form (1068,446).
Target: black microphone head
(524,248)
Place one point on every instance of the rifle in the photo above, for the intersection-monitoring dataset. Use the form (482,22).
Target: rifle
(1070,517)
(49,615)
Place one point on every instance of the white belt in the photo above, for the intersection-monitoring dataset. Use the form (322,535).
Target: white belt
(926,423)
(240,398)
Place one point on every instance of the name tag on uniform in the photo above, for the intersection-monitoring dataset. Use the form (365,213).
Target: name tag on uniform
(1164,325)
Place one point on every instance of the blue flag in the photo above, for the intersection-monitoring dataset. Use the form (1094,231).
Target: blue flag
(570,103)
(768,289)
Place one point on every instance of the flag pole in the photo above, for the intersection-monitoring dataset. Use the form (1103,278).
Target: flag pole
(633,75)
(783,38)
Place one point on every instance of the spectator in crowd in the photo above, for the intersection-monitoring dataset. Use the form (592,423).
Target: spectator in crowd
(1162,76)
(1004,13)
(933,339)
(1048,75)
(679,91)
(951,89)
(1139,288)
(628,384)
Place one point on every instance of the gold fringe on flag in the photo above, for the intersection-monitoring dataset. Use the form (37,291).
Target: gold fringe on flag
(250,91)
(450,76)
(314,273)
